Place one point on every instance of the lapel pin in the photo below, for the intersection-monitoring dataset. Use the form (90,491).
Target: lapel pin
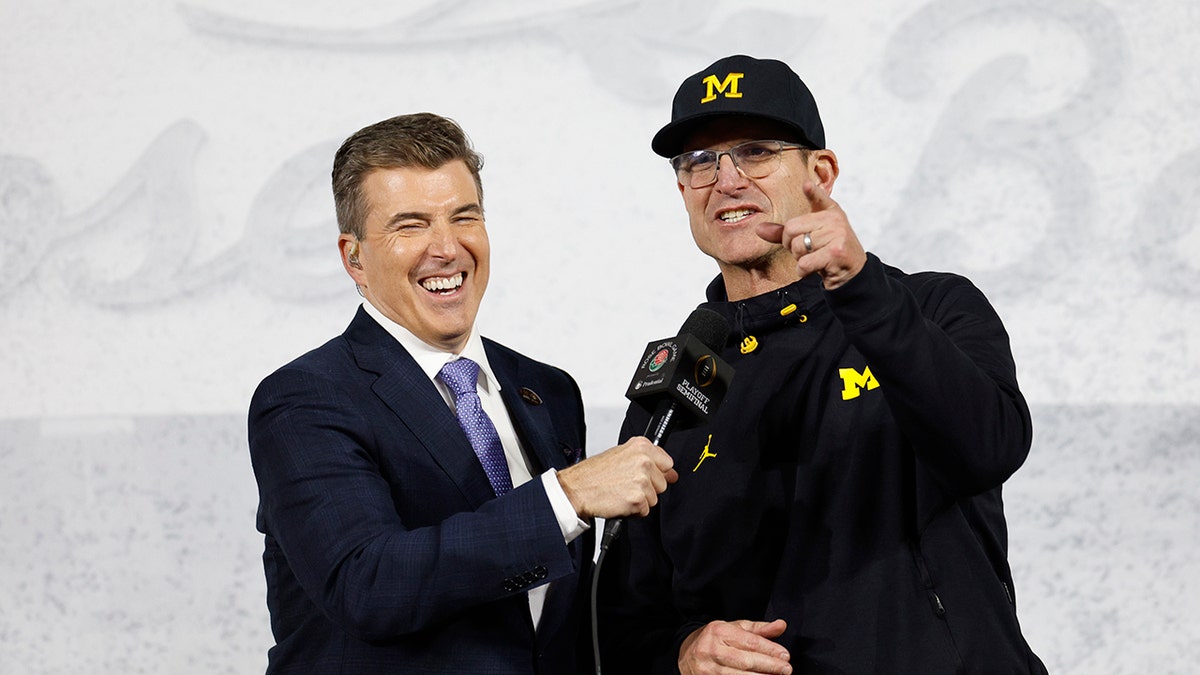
(530,396)
(573,455)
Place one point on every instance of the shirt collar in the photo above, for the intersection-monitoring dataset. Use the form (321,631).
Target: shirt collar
(430,359)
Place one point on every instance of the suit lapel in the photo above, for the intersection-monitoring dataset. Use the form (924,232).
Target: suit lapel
(406,390)
(532,421)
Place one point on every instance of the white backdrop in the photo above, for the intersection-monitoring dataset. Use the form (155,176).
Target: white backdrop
(167,239)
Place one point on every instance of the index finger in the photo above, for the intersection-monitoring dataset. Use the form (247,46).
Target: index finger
(818,198)
(662,459)
(751,636)
(768,629)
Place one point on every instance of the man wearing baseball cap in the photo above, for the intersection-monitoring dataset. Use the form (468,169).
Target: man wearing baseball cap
(841,512)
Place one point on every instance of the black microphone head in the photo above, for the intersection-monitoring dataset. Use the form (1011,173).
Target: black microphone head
(683,374)
(707,326)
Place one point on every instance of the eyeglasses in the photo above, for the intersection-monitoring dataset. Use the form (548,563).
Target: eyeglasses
(755,159)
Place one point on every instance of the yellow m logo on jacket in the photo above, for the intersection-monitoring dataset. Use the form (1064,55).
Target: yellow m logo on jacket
(854,382)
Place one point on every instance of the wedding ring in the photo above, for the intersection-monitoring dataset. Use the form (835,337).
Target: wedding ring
(807,243)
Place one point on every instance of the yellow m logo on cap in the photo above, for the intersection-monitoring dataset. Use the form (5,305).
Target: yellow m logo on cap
(715,86)
(854,382)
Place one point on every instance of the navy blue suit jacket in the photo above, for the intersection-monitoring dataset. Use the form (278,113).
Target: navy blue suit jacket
(386,549)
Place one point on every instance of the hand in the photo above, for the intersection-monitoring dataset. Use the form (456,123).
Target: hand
(836,252)
(735,647)
(621,481)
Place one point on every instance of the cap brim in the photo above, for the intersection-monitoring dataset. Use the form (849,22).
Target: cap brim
(669,141)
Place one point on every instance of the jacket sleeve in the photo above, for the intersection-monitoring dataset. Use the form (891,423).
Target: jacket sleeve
(336,520)
(942,358)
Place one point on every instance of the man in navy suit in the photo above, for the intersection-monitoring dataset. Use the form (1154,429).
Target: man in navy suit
(414,524)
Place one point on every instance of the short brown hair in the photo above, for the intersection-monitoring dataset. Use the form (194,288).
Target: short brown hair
(420,139)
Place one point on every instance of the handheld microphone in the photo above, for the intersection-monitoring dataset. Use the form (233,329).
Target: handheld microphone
(680,381)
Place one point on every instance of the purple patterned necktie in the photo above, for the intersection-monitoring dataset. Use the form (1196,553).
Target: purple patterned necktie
(462,376)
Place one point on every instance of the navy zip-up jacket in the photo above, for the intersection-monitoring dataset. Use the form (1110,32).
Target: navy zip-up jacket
(849,484)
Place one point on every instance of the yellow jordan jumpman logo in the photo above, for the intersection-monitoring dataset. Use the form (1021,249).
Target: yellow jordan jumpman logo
(705,454)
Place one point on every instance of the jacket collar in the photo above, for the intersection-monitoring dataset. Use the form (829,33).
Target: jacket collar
(764,313)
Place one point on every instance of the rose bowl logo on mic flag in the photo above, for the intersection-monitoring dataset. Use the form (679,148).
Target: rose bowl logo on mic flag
(660,357)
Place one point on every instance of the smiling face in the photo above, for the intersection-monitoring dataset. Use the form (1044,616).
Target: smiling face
(423,258)
(724,215)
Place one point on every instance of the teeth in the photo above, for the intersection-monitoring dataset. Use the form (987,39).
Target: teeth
(443,283)
(735,215)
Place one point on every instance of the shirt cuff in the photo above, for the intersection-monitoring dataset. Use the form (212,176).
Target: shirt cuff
(568,520)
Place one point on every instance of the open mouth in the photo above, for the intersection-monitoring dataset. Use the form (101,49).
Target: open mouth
(734,215)
(443,285)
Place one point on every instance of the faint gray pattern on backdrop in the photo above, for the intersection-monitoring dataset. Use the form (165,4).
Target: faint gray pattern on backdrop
(997,126)
(155,203)
(167,239)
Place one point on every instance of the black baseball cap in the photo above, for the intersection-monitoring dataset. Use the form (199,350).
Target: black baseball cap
(741,85)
